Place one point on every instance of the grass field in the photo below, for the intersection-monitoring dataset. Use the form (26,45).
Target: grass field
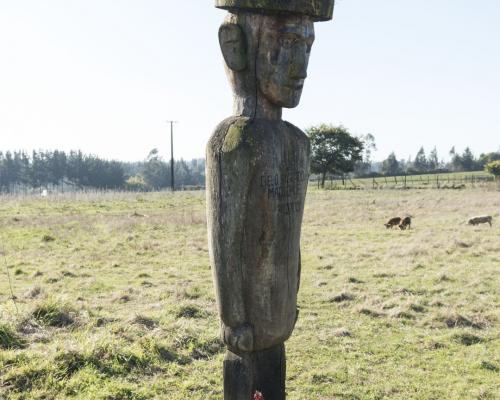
(115,300)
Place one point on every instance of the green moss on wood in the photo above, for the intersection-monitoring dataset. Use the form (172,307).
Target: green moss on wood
(234,136)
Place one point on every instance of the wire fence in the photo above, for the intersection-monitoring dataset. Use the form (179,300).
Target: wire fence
(429,181)
(70,191)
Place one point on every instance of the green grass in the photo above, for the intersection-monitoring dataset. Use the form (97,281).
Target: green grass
(9,338)
(119,303)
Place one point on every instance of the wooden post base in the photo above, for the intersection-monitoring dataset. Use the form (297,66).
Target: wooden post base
(263,371)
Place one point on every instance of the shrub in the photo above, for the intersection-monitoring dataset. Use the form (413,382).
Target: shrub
(493,168)
(137,184)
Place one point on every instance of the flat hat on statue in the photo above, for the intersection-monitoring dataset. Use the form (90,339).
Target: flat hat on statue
(319,10)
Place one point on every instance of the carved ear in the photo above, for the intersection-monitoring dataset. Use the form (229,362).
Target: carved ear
(233,45)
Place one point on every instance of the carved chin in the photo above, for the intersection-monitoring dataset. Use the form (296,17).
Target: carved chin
(287,97)
(290,98)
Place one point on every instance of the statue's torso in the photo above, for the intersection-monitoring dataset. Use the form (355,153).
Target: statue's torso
(257,174)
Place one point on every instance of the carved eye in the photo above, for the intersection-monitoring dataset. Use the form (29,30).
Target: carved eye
(288,42)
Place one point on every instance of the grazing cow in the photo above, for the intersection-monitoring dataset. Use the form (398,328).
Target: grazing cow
(393,222)
(485,219)
(405,223)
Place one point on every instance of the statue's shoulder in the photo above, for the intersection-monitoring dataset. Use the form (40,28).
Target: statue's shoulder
(291,128)
(244,134)
(231,134)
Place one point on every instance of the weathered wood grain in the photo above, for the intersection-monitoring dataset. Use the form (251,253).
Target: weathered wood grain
(262,371)
(319,10)
(257,172)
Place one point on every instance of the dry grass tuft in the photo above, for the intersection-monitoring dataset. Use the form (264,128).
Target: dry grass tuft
(489,366)
(370,312)
(33,292)
(48,238)
(342,297)
(54,314)
(190,311)
(9,339)
(148,323)
(342,332)
(453,319)
(467,338)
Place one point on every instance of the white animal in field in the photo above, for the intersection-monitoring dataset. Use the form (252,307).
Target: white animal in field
(484,219)
(44,193)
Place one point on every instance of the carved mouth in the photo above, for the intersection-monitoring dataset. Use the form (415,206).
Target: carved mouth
(297,84)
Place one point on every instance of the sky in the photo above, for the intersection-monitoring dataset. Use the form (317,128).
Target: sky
(104,76)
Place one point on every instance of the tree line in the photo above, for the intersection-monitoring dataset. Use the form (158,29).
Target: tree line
(74,170)
(335,151)
(431,163)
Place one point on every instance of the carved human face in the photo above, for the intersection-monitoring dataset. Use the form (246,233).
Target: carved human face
(282,59)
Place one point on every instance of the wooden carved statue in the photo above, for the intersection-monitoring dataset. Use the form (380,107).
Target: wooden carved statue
(257,175)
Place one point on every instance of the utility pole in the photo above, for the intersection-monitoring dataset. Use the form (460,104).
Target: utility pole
(172,181)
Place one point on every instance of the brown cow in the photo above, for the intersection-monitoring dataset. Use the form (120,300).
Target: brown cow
(393,222)
(485,219)
(405,223)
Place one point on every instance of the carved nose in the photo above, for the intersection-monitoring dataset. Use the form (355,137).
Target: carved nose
(300,68)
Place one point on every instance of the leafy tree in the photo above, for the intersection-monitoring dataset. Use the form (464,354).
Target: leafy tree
(465,161)
(334,150)
(364,167)
(391,165)
(493,168)
(156,172)
(487,158)
(420,164)
(468,161)
(433,160)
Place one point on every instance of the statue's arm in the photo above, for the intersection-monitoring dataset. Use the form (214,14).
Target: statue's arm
(228,175)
